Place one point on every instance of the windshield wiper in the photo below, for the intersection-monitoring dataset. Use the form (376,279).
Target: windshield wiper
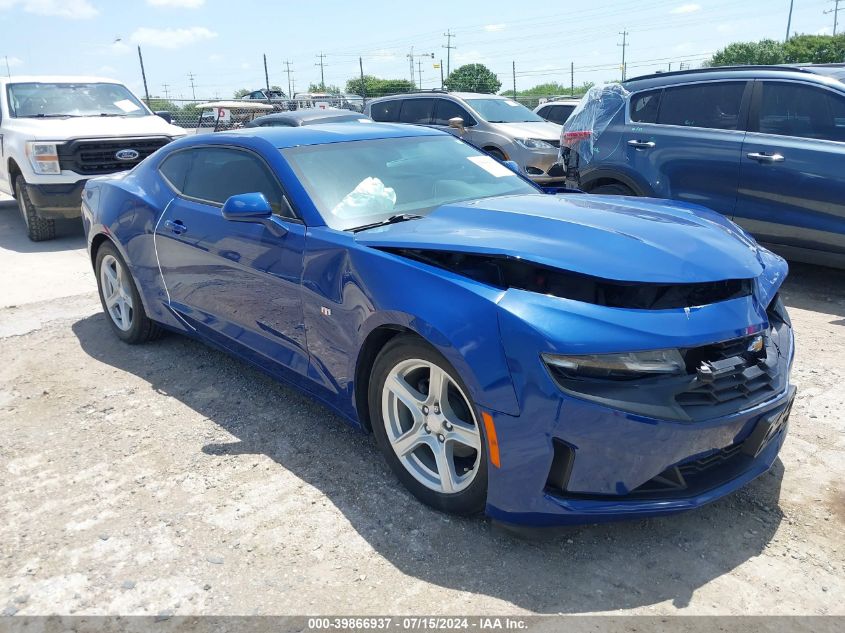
(47,116)
(105,114)
(393,219)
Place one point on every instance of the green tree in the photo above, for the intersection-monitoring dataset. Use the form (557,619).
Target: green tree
(815,49)
(376,87)
(157,104)
(743,53)
(473,78)
(329,88)
(241,93)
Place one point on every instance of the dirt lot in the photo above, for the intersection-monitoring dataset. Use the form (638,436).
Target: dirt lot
(171,478)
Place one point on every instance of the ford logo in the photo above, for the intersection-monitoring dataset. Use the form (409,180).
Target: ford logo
(126,154)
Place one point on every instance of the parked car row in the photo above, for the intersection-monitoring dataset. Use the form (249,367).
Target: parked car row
(306,100)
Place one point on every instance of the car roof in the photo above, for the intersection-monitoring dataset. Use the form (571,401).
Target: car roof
(313,114)
(812,72)
(61,79)
(284,137)
(440,93)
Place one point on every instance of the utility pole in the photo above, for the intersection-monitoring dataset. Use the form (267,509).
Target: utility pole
(789,20)
(266,76)
(572,78)
(321,64)
(363,84)
(448,35)
(419,72)
(143,74)
(411,57)
(441,75)
(166,88)
(835,12)
(288,71)
(8,70)
(624,46)
(191,78)
(513,66)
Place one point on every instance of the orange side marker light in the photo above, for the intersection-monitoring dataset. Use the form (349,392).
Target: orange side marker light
(492,440)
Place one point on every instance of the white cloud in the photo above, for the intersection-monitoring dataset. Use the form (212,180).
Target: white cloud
(825,31)
(12,61)
(494,28)
(73,9)
(686,8)
(171,38)
(177,4)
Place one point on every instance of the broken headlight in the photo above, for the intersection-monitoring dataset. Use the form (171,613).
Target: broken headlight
(624,366)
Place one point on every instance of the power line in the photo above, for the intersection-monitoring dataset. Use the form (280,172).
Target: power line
(448,35)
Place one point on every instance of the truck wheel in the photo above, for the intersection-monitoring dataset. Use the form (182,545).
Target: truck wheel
(37,229)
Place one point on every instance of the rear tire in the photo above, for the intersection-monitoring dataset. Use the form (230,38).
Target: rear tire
(615,189)
(37,229)
(429,435)
(120,299)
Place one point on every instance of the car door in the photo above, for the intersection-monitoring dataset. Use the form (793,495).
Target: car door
(235,283)
(686,141)
(445,109)
(792,190)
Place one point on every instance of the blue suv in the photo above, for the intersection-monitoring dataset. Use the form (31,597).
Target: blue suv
(763,145)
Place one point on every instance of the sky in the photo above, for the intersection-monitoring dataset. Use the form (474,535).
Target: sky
(221,42)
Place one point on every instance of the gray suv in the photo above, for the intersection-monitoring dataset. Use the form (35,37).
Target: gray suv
(503,128)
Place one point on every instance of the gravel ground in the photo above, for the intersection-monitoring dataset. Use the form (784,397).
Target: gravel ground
(169,478)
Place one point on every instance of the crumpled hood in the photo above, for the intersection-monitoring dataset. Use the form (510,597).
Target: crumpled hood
(93,127)
(616,238)
(543,130)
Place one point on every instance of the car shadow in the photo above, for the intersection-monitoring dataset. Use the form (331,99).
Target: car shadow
(69,233)
(815,288)
(584,569)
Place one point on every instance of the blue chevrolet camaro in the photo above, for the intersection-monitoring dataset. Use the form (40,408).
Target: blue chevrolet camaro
(547,358)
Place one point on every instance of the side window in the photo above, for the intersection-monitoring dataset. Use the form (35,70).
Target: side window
(449,110)
(220,172)
(175,167)
(712,105)
(386,111)
(559,113)
(644,106)
(790,109)
(256,95)
(417,111)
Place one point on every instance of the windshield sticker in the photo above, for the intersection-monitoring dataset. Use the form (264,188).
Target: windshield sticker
(491,166)
(126,105)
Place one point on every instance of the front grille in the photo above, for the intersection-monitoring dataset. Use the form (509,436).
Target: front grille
(95,157)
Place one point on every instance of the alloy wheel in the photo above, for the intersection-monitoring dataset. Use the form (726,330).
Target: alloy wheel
(431,426)
(116,294)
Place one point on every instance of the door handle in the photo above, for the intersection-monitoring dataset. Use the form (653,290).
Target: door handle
(175,226)
(766,158)
(641,144)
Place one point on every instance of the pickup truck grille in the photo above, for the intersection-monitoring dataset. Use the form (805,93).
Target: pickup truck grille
(95,157)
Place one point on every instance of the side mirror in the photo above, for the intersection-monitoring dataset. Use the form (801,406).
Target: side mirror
(164,114)
(247,207)
(511,165)
(457,123)
(252,207)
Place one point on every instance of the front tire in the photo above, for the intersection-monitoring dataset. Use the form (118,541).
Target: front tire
(120,299)
(37,228)
(427,428)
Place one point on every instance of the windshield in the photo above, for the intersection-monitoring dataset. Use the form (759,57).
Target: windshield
(357,183)
(502,111)
(72,99)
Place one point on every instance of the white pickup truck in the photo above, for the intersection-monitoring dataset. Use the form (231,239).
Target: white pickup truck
(56,132)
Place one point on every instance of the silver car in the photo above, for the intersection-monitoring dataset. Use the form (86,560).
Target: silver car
(500,126)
